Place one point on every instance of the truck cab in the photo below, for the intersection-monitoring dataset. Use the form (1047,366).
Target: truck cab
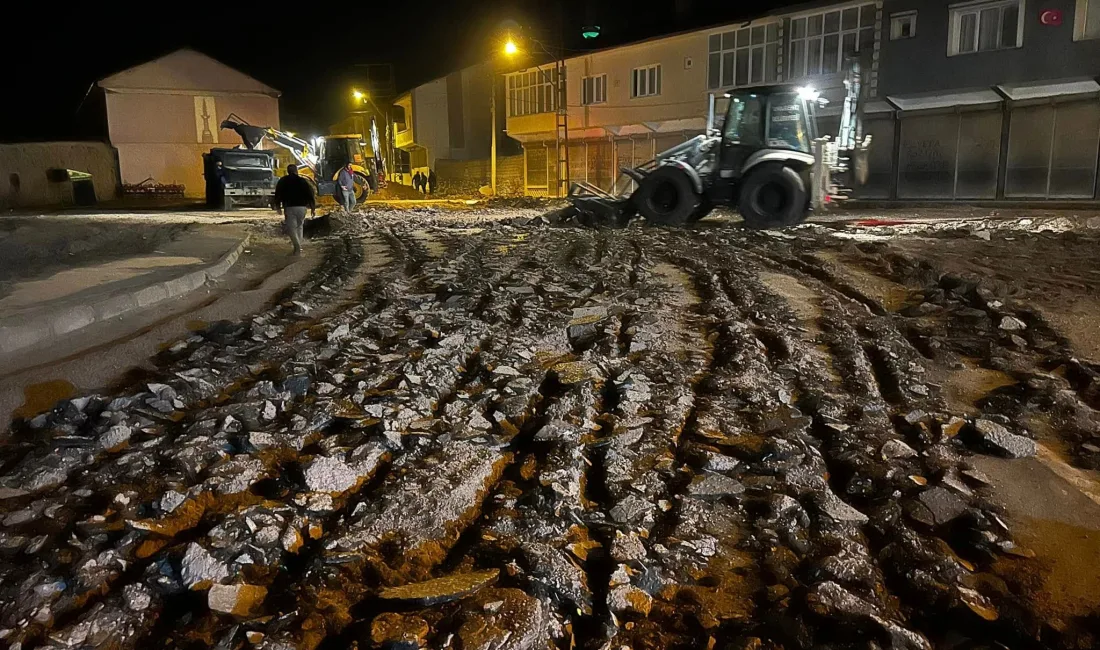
(239,177)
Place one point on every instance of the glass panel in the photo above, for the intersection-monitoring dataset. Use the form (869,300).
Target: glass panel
(815,25)
(867,39)
(743,67)
(715,43)
(743,37)
(757,68)
(988,29)
(867,16)
(798,59)
(979,153)
(927,157)
(770,64)
(1010,17)
(714,71)
(798,28)
(786,128)
(850,18)
(1076,130)
(831,54)
(848,44)
(541,97)
(743,121)
(658,90)
(880,159)
(727,68)
(729,40)
(968,27)
(814,60)
(832,22)
(758,35)
(634,83)
(773,31)
(1029,131)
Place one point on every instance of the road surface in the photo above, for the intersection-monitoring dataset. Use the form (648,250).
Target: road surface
(475,433)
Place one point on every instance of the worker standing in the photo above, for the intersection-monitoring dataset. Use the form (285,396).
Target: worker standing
(345,180)
(292,196)
(431,181)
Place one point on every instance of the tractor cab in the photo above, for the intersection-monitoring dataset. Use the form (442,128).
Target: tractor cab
(333,153)
(766,124)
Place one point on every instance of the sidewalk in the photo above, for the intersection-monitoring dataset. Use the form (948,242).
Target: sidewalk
(38,311)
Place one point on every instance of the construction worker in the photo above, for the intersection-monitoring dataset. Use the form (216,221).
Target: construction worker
(292,196)
(345,180)
(431,181)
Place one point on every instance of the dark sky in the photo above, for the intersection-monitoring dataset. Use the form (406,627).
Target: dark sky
(310,58)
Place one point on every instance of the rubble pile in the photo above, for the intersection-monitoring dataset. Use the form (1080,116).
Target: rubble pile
(521,437)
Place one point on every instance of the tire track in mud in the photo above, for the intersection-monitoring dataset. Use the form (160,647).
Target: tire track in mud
(653,439)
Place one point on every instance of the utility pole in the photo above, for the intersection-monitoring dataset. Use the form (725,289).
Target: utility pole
(493,112)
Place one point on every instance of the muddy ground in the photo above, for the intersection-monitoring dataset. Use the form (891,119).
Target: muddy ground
(477,433)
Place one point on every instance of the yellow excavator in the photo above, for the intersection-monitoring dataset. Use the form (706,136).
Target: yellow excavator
(322,158)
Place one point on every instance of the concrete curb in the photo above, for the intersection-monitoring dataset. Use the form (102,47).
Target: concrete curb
(19,333)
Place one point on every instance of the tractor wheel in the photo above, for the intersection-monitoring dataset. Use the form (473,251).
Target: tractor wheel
(667,197)
(705,206)
(773,196)
(362,187)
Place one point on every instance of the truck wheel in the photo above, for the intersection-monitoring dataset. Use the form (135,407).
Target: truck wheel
(667,197)
(773,196)
(362,187)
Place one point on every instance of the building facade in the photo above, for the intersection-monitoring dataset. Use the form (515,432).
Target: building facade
(446,119)
(164,114)
(955,92)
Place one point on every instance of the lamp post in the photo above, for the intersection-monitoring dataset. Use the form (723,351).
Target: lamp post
(510,50)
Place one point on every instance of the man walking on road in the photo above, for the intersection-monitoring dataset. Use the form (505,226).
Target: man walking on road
(345,180)
(292,196)
(431,181)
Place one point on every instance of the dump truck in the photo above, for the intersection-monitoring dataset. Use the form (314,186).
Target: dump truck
(766,159)
(238,178)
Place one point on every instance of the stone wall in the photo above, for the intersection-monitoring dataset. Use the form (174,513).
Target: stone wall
(466,177)
(24,182)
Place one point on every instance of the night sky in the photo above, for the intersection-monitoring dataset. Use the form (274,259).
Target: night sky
(311,59)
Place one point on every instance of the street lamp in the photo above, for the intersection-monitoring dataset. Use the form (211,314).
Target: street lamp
(510,47)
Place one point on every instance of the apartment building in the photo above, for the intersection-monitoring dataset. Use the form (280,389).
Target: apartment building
(952,92)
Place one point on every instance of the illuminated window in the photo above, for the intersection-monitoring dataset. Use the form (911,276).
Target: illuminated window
(743,56)
(645,82)
(1087,22)
(531,92)
(984,26)
(903,25)
(819,42)
(594,90)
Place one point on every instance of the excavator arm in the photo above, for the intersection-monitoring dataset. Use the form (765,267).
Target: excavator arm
(252,135)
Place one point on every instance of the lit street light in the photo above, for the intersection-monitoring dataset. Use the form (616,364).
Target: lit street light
(510,47)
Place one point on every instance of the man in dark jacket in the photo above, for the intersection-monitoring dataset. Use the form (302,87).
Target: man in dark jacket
(345,184)
(431,181)
(416,181)
(293,195)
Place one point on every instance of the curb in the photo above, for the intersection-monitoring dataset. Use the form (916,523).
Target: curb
(20,333)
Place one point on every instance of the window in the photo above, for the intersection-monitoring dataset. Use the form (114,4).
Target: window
(594,90)
(984,26)
(786,126)
(532,92)
(1087,22)
(743,56)
(744,121)
(645,82)
(903,25)
(819,42)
